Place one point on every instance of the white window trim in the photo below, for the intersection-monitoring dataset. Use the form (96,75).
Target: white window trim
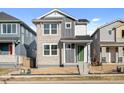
(50,44)
(50,34)
(11,29)
(66,25)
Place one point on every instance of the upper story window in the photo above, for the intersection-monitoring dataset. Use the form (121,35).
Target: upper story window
(46,28)
(53,28)
(68,25)
(8,28)
(110,32)
(50,28)
(122,33)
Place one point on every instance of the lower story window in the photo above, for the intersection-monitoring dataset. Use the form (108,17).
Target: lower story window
(46,50)
(50,49)
(54,49)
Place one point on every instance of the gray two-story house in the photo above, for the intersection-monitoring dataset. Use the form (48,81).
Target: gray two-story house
(108,43)
(62,40)
(17,40)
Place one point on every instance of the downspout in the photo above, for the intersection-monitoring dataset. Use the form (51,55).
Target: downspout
(115,41)
(87,53)
(114,33)
(60,53)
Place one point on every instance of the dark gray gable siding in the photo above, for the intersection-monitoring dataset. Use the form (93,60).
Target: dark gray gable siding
(68,32)
(5,16)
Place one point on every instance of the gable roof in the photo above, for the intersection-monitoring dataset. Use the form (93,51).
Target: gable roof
(56,10)
(117,20)
(6,17)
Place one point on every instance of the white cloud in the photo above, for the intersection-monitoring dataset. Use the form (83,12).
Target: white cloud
(95,19)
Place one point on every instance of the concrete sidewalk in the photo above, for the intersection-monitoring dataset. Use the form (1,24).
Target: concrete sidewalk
(62,82)
(9,76)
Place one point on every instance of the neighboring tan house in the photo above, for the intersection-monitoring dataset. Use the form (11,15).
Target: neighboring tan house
(17,40)
(62,40)
(108,43)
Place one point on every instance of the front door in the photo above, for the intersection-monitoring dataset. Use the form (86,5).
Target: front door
(5,48)
(80,53)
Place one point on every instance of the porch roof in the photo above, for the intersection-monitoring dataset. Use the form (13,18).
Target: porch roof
(77,39)
(112,44)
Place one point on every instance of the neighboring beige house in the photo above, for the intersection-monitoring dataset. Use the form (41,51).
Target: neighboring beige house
(108,43)
(62,40)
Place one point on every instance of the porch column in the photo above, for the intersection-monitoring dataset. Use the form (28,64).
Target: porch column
(13,48)
(88,53)
(64,52)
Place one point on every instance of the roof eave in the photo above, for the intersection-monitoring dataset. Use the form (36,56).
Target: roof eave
(58,11)
(10,21)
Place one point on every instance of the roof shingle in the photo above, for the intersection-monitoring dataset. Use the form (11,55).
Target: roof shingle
(5,16)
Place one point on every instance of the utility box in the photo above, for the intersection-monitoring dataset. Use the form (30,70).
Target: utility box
(120,69)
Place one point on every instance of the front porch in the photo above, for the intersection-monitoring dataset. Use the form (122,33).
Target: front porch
(76,50)
(7,55)
(75,53)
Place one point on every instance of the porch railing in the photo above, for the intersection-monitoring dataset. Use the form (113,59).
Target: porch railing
(4,52)
(8,58)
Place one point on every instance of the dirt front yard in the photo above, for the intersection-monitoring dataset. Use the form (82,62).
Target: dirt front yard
(104,69)
(5,71)
(55,70)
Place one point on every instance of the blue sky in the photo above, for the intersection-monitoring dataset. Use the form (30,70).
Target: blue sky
(96,16)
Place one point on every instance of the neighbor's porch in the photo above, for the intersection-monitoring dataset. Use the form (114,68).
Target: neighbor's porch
(7,53)
(7,48)
(112,54)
